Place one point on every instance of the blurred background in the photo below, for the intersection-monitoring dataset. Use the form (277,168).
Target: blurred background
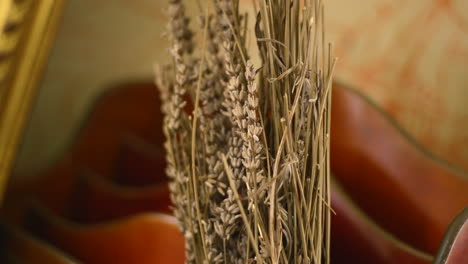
(410,57)
(92,160)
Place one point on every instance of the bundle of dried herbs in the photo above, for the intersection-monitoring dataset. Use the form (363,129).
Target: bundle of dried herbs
(248,145)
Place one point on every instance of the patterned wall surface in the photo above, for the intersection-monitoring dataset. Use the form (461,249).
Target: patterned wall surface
(409,56)
(412,58)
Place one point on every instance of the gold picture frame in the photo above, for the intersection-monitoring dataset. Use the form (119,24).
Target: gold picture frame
(27,28)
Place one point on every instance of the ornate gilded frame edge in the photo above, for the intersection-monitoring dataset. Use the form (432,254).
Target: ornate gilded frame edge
(27,29)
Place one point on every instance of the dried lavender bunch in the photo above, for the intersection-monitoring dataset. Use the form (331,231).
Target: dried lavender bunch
(249,162)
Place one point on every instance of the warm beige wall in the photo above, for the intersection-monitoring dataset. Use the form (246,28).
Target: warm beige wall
(410,56)
(99,43)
